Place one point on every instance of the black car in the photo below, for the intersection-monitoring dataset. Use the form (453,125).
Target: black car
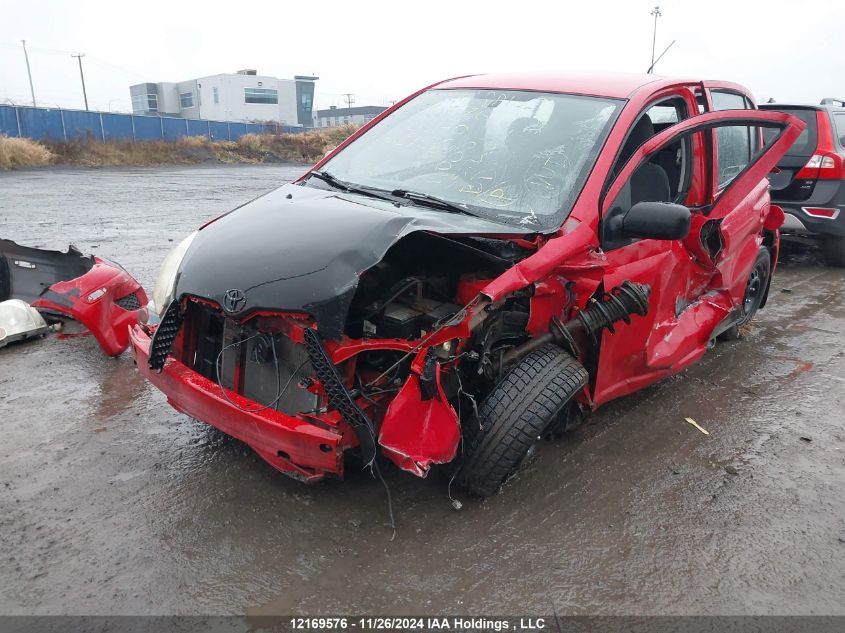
(810,186)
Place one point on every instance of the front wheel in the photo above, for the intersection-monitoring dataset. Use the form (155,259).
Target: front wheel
(755,291)
(530,399)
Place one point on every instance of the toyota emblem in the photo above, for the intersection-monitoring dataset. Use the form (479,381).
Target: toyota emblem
(234,300)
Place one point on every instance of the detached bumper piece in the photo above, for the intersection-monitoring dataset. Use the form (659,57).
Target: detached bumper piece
(99,294)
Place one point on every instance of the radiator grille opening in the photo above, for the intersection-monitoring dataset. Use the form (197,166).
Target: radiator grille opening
(250,362)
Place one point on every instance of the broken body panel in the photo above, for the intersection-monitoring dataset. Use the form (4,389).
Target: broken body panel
(313,321)
(99,294)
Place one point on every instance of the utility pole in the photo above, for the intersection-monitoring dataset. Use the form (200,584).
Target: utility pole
(79,57)
(350,99)
(29,73)
(656,13)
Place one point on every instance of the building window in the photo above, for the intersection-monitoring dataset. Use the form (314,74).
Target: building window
(215,95)
(145,103)
(186,99)
(261,95)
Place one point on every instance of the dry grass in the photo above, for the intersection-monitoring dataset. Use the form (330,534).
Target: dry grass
(16,153)
(89,153)
(305,147)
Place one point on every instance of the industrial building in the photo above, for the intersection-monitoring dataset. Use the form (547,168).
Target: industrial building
(241,96)
(335,116)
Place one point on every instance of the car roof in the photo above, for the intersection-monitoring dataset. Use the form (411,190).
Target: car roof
(613,85)
(802,106)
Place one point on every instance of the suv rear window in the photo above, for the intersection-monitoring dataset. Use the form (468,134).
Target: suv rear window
(805,144)
(839,119)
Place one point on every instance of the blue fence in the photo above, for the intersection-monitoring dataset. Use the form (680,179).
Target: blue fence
(64,125)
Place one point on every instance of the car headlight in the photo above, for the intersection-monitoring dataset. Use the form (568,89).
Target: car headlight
(166,281)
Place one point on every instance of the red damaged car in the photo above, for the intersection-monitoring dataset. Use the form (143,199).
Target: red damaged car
(471,269)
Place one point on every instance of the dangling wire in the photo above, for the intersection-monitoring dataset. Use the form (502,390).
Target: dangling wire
(374,467)
(377,471)
(281,390)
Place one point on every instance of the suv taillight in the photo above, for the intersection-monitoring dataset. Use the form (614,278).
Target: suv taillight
(825,163)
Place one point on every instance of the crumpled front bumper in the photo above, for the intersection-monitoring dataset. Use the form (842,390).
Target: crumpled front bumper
(292,445)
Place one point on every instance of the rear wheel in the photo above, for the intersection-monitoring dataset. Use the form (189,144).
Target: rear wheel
(755,291)
(834,251)
(531,398)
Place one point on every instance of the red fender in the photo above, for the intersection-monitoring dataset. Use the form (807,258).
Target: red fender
(416,433)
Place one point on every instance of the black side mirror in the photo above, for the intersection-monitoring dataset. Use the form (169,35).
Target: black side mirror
(842,140)
(657,221)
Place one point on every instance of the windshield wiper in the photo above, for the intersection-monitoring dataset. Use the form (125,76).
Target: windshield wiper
(330,180)
(346,187)
(431,201)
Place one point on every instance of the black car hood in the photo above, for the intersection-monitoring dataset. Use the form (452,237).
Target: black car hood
(302,249)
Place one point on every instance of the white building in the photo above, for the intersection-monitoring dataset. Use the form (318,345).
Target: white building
(335,116)
(241,96)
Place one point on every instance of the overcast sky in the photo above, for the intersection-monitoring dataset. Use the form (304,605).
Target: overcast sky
(381,51)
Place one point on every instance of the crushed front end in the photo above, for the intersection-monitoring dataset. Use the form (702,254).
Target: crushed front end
(253,380)
(309,350)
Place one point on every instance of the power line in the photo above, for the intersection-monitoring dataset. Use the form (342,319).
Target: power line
(350,98)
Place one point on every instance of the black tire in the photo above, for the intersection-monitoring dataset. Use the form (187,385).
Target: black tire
(833,249)
(526,402)
(755,291)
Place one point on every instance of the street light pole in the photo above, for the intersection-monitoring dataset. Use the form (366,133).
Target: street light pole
(79,57)
(28,73)
(656,13)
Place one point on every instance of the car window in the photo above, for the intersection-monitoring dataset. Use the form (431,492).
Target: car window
(514,156)
(672,160)
(728,100)
(805,144)
(651,181)
(664,113)
(839,122)
(735,145)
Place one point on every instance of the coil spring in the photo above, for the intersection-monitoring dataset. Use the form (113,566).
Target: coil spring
(617,305)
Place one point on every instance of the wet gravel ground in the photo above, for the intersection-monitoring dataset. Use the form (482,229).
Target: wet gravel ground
(113,503)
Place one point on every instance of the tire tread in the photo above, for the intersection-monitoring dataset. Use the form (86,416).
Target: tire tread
(516,412)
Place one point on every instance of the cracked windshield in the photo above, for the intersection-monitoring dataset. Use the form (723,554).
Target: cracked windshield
(512,156)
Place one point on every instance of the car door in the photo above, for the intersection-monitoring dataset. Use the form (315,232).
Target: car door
(696,282)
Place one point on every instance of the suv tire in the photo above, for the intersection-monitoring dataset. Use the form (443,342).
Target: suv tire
(833,249)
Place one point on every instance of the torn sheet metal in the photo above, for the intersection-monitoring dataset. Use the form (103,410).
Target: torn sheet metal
(421,428)
(98,293)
